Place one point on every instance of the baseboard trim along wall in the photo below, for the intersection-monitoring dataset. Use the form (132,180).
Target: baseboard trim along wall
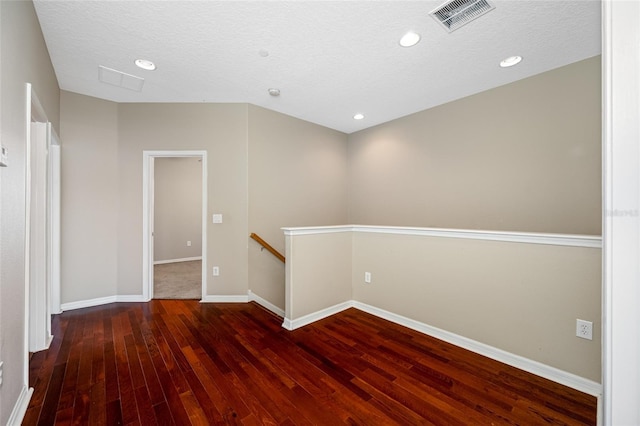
(102,301)
(564,378)
(591,241)
(226,299)
(185,259)
(316,316)
(139,298)
(534,367)
(20,408)
(265,304)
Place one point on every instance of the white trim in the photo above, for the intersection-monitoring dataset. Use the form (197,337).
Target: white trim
(27,236)
(87,303)
(20,407)
(607,221)
(184,259)
(54,212)
(313,230)
(316,316)
(588,241)
(131,298)
(79,304)
(534,367)
(621,186)
(265,304)
(225,299)
(39,278)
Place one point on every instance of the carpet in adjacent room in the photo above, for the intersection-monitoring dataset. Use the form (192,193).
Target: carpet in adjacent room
(178,280)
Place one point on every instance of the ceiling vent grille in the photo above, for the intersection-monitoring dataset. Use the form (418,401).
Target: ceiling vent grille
(454,14)
(120,79)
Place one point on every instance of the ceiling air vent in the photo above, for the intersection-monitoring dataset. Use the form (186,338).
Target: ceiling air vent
(454,14)
(120,79)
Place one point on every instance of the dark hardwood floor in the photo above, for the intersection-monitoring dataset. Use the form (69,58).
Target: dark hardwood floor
(182,362)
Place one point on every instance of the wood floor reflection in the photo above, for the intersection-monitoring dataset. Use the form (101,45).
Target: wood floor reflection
(183,362)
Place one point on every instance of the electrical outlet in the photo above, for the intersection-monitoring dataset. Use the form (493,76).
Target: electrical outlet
(216,271)
(584,329)
(367,277)
(188,243)
(1,372)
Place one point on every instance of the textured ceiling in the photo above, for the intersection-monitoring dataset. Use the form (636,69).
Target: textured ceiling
(329,59)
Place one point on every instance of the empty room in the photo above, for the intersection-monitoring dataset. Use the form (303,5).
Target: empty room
(319,212)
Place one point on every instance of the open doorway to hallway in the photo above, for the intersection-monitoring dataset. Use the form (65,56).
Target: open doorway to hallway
(174,248)
(177,221)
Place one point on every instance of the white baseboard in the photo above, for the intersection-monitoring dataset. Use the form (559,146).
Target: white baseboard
(225,299)
(559,376)
(87,303)
(131,298)
(316,316)
(184,259)
(20,408)
(265,304)
(102,301)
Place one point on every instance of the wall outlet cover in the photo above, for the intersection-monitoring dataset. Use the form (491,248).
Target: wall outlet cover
(584,329)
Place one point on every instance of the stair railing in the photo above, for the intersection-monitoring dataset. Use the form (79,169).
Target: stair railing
(266,245)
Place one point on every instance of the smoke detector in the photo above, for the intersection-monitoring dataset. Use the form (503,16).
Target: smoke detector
(454,14)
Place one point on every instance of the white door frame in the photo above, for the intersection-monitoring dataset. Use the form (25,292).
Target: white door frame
(621,212)
(54,222)
(38,305)
(148,158)
(39,237)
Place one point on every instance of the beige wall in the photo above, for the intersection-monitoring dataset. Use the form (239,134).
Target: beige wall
(110,176)
(521,298)
(318,272)
(24,58)
(89,200)
(178,208)
(220,129)
(521,157)
(297,177)
(297,174)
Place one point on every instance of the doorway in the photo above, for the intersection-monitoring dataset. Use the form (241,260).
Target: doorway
(42,228)
(177,233)
(174,224)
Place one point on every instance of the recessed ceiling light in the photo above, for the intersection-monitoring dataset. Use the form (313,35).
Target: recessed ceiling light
(358,116)
(409,39)
(145,64)
(274,92)
(511,61)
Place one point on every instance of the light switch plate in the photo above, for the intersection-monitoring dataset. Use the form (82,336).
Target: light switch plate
(4,156)
(217,218)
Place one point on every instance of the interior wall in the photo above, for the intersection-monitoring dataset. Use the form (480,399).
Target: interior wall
(318,272)
(219,129)
(521,298)
(178,208)
(521,157)
(297,177)
(89,197)
(25,59)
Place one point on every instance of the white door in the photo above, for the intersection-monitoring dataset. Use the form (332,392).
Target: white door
(39,240)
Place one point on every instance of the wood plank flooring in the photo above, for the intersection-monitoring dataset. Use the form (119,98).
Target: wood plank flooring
(181,362)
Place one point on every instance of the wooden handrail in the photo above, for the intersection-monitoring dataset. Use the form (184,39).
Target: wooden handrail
(266,245)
